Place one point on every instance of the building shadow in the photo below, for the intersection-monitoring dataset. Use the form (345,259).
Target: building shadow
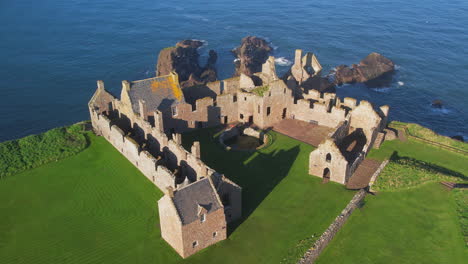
(430,167)
(258,173)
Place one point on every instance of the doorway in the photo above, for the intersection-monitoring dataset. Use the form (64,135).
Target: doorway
(326,175)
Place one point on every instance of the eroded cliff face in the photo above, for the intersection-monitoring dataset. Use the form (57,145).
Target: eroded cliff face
(375,70)
(251,55)
(183,59)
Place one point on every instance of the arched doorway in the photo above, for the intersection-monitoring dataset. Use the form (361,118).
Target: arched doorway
(326,175)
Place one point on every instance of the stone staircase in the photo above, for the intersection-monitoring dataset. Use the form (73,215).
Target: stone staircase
(363,174)
(402,135)
(450,185)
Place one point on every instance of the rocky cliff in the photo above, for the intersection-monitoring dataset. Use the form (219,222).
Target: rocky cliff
(183,59)
(251,54)
(375,70)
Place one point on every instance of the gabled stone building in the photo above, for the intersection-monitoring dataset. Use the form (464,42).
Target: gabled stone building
(192,217)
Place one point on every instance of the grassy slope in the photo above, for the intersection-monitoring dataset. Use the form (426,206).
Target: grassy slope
(418,225)
(412,226)
(96,207)
(423,152)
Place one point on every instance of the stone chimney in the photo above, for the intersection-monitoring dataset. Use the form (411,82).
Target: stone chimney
(177,138)
(126,85)
(196,149)
(142,107)
(100,85)
(158,120)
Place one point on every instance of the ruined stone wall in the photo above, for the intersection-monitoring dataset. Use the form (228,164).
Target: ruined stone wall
(319,113)
(340,131)
(313,253)
(247,106)
(328,156)
(364,116)
(143,160)
(231,85)
(205,234)
(231,197)
(275,104)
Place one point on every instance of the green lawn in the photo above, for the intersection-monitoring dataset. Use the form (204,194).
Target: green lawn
(416,225)
(96,207)
(423,152)
(412,226)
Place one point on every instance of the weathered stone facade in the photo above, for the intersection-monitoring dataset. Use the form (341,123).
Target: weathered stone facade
(146,122)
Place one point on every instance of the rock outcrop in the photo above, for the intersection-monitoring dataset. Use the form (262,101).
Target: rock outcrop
(183,59)
(375,70)
(458,137)
(251,55)
(437,104)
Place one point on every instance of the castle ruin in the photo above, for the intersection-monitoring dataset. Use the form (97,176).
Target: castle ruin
(146,122)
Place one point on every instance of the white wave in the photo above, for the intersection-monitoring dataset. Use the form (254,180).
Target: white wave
(397,67)
(401,83)
(282,61)
(205,42)
(236,60)
(196,17)
(442,110)
(273,46)
(382,89)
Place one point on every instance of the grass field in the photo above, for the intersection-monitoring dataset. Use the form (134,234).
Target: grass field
(416,225)
(412,226)
(95,207)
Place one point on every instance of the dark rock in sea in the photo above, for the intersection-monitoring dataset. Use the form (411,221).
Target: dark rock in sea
(319,83)
(458,137)
(183,59)
(437,104)
(375,71)
(251,54)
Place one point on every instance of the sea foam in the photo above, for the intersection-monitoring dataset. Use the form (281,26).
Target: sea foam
(282,61)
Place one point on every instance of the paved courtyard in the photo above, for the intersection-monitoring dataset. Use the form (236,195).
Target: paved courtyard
(363,174)
(311,134)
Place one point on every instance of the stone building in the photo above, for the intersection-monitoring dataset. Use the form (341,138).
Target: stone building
(145,123)
(192,217)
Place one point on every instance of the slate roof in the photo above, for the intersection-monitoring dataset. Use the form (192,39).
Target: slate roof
(158,93)
(188,199)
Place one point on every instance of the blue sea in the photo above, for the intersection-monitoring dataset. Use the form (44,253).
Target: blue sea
(52,52)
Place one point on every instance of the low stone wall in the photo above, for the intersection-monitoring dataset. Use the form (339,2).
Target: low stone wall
(377,173)
(312,254)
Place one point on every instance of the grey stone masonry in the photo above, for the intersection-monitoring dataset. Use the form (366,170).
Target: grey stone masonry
(312,254)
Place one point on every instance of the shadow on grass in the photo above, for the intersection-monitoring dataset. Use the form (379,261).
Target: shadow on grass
(258,173)
(427,166)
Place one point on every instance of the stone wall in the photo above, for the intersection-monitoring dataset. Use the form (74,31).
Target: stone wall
(312,254)
(204,234)
(327,158)
(376,174)
(142,159)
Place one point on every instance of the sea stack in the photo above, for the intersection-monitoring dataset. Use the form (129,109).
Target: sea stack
(375,71)
(251,55)
(183,59)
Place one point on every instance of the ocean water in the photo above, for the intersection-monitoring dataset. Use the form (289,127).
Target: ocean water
(52,52)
